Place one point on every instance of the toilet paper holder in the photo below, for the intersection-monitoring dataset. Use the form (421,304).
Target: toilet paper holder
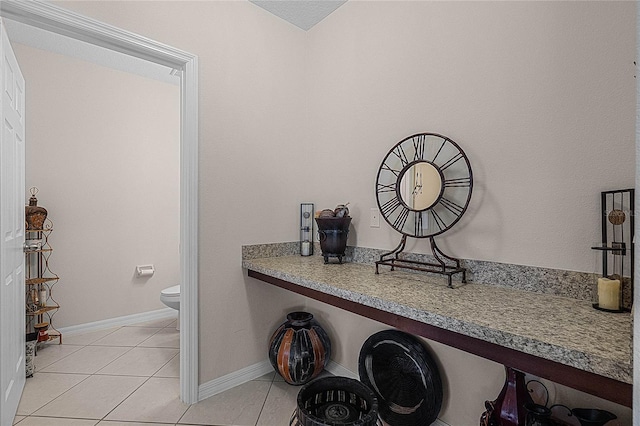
(145,270)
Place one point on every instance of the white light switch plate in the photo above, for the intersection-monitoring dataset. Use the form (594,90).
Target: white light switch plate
(375,218)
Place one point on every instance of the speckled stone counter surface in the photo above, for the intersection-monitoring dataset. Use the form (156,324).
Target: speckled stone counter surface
(558,328)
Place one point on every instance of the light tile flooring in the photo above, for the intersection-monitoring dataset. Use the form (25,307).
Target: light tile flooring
(129,376)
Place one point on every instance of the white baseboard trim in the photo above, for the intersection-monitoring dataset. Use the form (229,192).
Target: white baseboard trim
(231,380)
(253,372)
(120,321)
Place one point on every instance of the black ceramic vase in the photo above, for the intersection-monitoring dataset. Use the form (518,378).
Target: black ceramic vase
(299,349)
(335,401)
(333,233)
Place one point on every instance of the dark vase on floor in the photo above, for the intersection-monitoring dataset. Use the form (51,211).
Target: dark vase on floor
(299,349)
(335,401)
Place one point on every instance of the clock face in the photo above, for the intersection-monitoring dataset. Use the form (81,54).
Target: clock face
(424,185)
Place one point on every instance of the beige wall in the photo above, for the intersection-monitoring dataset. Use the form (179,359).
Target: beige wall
(539,94)
(104,152)
(253,142)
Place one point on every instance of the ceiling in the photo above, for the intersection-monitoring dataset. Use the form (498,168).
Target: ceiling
(303,14)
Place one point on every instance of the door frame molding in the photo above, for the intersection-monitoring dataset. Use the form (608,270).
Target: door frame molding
(61,21)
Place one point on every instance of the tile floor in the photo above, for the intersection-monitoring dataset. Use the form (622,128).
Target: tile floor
(129,376)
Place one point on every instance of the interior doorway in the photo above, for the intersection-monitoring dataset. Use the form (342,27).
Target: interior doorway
(104,154)
(54,19)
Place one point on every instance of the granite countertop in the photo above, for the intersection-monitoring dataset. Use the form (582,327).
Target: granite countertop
(561,329)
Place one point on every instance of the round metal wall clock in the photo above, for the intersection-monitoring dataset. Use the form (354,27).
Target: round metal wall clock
(423,188)
(424,185)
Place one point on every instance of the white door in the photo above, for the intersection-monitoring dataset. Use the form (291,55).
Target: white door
(12,196)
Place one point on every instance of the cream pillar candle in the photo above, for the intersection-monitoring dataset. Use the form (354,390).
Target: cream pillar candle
(306,248)
(609,294)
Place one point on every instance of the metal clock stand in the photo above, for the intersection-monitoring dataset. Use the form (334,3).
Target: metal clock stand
(393,259)
(423,188)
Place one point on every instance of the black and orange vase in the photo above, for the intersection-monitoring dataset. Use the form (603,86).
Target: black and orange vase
(299,349)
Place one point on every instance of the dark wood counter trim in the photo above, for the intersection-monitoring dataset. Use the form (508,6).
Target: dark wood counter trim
(591,383)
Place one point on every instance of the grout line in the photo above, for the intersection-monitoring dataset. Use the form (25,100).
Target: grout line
(49,402)
(70,353)
(265,401)
(121,402)
(97,373)
(163,365)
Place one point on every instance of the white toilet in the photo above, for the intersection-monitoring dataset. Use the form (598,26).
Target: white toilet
(171,297)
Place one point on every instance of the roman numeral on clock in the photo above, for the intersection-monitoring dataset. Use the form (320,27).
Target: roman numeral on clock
(386,187)
(457,183)
(418,146)
(418,232)
(390,206)
(401,219)
(399,152)
(451,161)
(440,223)
(395,171)
(454,208)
